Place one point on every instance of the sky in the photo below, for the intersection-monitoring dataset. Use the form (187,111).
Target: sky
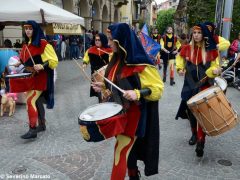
(159,1)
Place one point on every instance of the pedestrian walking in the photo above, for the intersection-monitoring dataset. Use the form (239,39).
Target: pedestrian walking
(63,48)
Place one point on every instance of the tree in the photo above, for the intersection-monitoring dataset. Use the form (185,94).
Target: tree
(200,11)
(164,19)
(235,20)
(204,10)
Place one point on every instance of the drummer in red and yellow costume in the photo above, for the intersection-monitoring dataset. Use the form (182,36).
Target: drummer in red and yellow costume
(131,69)
(198,62)
(97,56)
(156,36)
(169,48)
(41,83)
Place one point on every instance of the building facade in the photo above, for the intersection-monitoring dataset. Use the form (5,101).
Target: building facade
(168,4)
(98,14)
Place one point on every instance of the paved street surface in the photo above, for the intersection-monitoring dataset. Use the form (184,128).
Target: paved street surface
(60,153)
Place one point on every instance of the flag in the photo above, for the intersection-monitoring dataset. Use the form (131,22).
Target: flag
(151,47)
(145,30)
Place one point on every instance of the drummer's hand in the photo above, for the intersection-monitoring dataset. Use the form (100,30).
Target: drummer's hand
(97,86)
(84,66)
(130,95)
(217,71)
(38,67)
(181,72)
(175,52)
(17,64)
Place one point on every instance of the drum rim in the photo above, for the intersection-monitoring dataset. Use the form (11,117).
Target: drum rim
(18,75)
(97,71)
(218,89)
(114,103)
(222,80)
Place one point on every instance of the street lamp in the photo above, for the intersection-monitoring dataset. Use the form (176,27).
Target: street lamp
(91,4)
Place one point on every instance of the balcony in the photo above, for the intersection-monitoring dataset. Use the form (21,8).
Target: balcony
(119,3)
(137,1)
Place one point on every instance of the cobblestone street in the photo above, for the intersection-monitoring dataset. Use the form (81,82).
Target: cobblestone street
(60,153)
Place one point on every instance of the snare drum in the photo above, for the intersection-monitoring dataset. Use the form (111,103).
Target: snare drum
(96,77)
(24,82)
(213,111)
(102,121)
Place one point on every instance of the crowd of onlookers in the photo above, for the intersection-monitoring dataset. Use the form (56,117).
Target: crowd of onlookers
(73,46)
(67,47)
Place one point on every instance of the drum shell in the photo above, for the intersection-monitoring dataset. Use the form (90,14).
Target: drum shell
(27,83)
(214,113)
(98,78)
(95,131)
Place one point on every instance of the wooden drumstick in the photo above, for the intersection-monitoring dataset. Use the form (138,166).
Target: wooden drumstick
(203,79)
(103,51)
(30,55)
(110,82)
(82,70)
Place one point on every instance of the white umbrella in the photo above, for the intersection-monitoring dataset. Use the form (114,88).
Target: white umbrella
(22,10)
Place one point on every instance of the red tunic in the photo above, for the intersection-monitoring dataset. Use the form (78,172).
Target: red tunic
(133,113)
(196,56)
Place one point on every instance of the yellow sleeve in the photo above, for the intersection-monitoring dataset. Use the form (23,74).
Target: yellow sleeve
(151,79)
(178,44)
(162,43)
(50,56)
(223,44)
(180,62)
(214,65)
(86,58)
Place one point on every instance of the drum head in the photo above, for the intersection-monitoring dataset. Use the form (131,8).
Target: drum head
(221,83)
(100,111)
(203,94)
(18,75)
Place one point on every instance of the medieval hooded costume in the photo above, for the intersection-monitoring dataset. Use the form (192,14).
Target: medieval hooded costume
(169,42)
(131,69)
(36,51)
(191,59)
(97,57)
